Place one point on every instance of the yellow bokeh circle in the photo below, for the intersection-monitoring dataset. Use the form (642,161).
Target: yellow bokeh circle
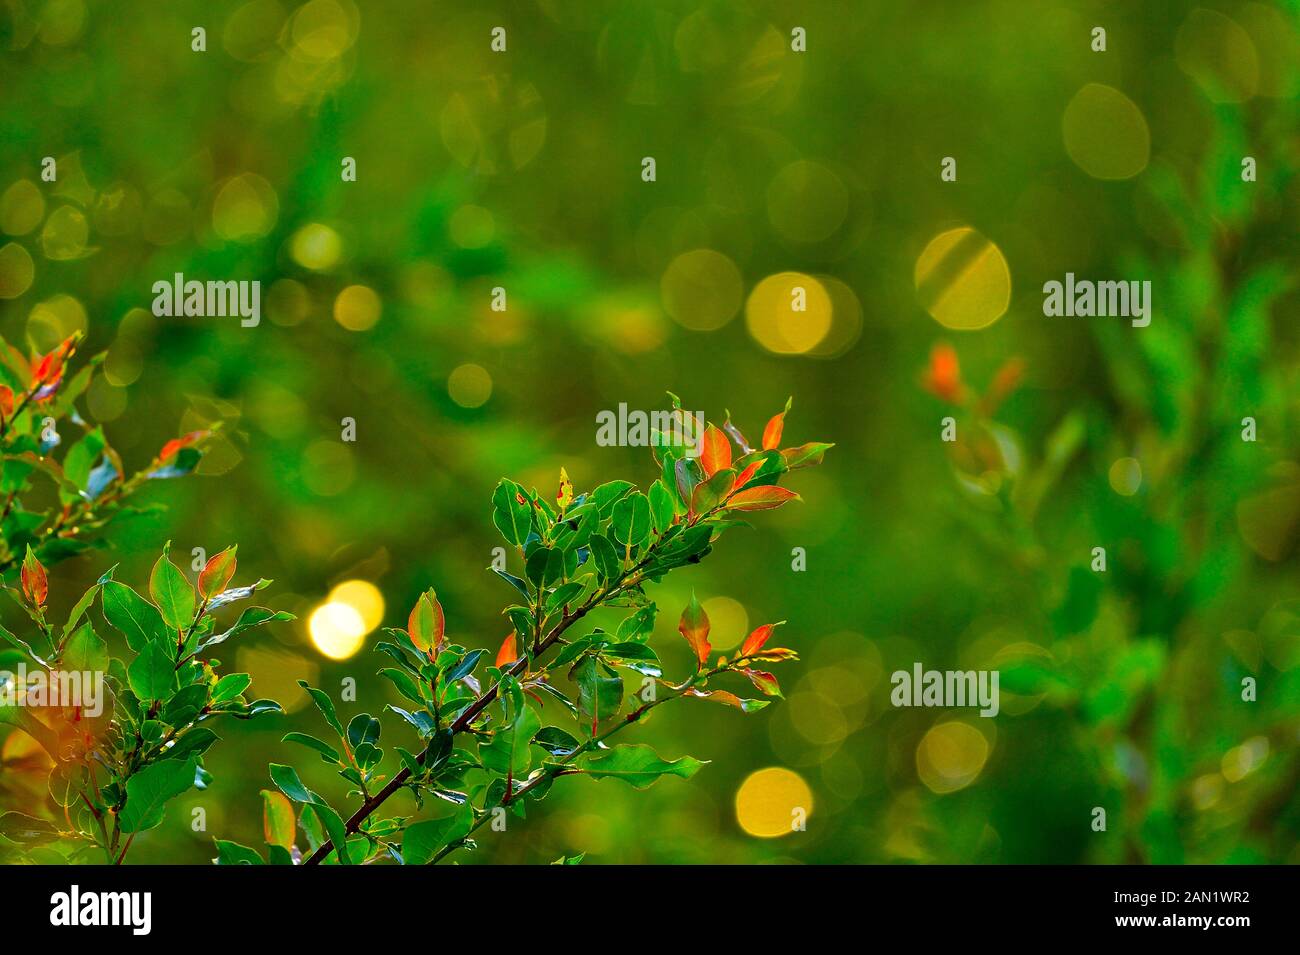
(963,280)
(469,385)
(701,289)
(16,270)
(773,802)
(363,597)
(357,308)
(337,629)
(789,313)
(951,756)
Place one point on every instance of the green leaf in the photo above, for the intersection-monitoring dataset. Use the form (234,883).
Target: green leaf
(85,650)
(173,594)
(608,494)
(663,507)
(287,781)
(232,853)
(507,751)
(332,823)
(133,616)
(278,825)
(423,840)
(636,764)
(153,673)
(608,562)
(230,686)
(149,790)
(600,689)
(325,705)
(328,752)
(512,517)
(631,520)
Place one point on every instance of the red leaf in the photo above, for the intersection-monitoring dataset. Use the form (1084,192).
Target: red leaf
(716,453)
(775,425)
(754,642)
(6,401)
(761,498)
(943,376)
(36,586)
(175,445)
(216,574)
(49,369)
(694,626)
(766,683)
(426,625)
(507,654)
(743,477)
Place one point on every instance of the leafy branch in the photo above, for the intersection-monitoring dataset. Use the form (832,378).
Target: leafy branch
(485,751)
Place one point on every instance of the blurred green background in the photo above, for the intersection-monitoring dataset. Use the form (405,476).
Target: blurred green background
(523,170)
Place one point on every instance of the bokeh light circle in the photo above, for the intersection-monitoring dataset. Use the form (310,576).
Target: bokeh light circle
(1105,133)
(337,629)
(701,290)
(789,313)
(770,802)
(963,280)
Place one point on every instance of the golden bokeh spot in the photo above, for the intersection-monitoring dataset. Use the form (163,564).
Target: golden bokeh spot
(772,802)
(1105,133)
(327,467)
(16,270)
(469,385)
(789,313)
(316,247)
(245,208)
(472,227)
(729,622)
(22,207)
(1219,55)
(363,597)
(963,280)
(337,629)
(951,756)
(701,290)
(806,202)
(65,234)
(357,308)
(1126,476)
(55,319)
